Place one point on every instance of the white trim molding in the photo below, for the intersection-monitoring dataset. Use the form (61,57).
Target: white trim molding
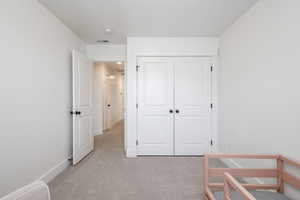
(56,170)
(98,132)
(161,46)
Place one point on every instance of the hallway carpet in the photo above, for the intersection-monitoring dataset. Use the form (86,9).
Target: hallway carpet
(106,174)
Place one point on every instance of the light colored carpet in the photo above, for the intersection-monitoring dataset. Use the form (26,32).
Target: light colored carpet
(107,174)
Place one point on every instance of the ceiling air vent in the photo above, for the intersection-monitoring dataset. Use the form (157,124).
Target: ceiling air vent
(103,41)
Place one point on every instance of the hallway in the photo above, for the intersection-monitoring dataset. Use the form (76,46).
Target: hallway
(106,174)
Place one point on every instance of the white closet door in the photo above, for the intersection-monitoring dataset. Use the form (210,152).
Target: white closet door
(192,105)
(155,98)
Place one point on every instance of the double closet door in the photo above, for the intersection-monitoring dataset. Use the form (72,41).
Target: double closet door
(174,105)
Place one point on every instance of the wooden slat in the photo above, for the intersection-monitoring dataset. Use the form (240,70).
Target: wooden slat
(292,180)
(219,172)
(244,156)
(247,186)
(205,197)
(209,195)
(232,182)
(280,181)
(290,162)
(205,171)
(226,190)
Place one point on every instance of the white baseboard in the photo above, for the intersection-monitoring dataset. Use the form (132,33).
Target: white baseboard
(98,132)
(233,164)
(131,152)
(116,122)
(54,171)
(112,125)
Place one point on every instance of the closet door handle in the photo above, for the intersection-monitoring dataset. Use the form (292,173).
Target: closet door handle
(177,111)
(170,111)
(75,112)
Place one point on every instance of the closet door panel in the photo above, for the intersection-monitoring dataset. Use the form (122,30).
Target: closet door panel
(192,101)
(155,100)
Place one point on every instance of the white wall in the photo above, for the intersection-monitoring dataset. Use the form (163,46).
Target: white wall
(99,75)
(106,52)
(157,47)
(120,89)
(117,98)
(35,85)
(259,82)
(114,92)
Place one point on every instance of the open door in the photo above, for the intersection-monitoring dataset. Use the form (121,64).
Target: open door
(83,138)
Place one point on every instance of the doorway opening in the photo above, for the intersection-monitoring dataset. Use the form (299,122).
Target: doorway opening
(97,106)
(108,96)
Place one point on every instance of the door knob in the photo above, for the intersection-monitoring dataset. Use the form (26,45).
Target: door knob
(75,112)
(177,111)
(170,111)
(108,105)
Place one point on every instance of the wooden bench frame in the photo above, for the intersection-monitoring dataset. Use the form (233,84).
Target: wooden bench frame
(229,182)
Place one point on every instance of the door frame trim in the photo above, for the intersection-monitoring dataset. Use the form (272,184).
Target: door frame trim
(157,46)
(124,93)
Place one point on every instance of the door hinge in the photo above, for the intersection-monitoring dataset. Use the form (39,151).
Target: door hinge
(137,106)
(137,142)
(137,68)
(211,68)
(211,143)
(211,105)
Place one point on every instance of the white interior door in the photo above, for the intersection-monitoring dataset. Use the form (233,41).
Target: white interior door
(155,100)
(192,105)
(83,138)
(107,104)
